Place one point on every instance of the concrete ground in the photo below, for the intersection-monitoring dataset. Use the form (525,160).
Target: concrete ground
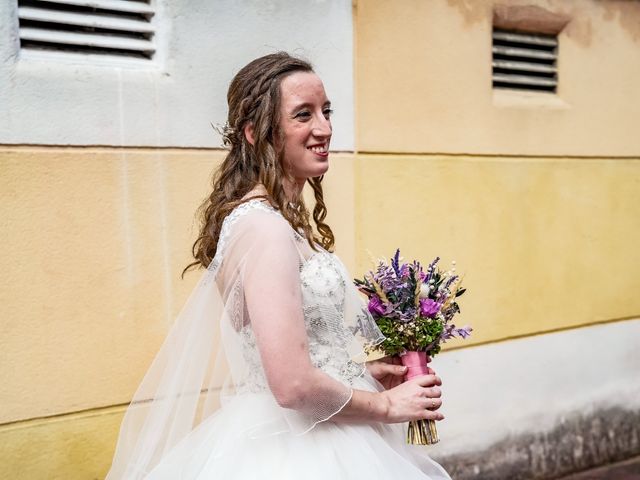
(627,470)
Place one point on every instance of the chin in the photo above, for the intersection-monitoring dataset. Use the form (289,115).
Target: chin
(322,171)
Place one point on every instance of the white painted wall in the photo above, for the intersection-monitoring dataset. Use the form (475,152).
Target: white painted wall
(60,99)
(528,385)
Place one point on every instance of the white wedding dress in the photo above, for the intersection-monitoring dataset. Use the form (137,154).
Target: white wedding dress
(207,408)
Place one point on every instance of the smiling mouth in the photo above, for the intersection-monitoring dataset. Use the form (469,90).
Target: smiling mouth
(319,149)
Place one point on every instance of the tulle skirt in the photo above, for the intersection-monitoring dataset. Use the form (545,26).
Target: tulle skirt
(243,441)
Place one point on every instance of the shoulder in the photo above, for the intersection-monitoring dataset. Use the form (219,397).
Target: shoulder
(256,217)
(255,233)
(254,220)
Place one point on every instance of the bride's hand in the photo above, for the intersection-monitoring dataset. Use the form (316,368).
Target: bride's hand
(413,400)
(389,371)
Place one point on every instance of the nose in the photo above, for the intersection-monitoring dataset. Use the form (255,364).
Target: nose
(322,127)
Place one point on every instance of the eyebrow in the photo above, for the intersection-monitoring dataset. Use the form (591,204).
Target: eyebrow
(307,105)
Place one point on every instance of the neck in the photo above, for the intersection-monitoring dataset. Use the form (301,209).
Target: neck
(293,188)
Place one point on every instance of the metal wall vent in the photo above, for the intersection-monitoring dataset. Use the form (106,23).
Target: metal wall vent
(524,61)
(107,27)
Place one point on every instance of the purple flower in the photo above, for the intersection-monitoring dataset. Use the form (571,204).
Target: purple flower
(463,332)
(450,281)
(405,271)
(406,315)
(429,307)
(450,331)
(375,306)
(395,262)
(431,269)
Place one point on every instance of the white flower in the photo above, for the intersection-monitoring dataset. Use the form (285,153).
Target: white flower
(424,290)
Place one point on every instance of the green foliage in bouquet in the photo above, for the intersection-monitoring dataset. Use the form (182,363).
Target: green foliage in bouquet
(421,335)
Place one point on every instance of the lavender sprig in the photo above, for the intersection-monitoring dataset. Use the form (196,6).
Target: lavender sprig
(413,309)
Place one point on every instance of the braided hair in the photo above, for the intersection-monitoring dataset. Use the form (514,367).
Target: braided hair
(254,98)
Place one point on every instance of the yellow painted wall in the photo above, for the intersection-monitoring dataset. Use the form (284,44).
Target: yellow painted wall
(423,81)
(75,446)
(536,195)
(94,241)
(545,243)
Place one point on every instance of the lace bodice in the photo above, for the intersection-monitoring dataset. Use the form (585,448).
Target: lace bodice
(323,284)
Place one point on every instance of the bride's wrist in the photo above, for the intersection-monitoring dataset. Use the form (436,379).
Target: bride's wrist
(382,407)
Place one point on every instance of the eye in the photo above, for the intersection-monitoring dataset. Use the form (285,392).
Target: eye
(303,115)
(327,112)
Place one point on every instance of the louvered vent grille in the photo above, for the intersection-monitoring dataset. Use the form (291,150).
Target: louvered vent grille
(524,61)
(108,27)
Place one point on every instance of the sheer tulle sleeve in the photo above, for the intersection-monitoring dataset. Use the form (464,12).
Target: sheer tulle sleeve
(264,259)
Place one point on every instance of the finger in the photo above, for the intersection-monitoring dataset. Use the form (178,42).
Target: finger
(431,371)
(428,380)
(433,392)
(433,404)
(399,370)
(394,370)
(382,370)
(431,415)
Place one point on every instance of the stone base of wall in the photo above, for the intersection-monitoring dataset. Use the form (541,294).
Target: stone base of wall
(579,442)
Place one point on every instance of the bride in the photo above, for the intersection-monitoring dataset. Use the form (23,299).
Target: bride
(264,374)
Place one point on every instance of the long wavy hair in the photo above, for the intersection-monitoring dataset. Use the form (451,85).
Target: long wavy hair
(254,98)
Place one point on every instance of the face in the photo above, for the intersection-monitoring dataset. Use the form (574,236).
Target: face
(305,123)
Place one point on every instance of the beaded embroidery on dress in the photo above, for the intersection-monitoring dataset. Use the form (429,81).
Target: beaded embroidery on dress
(320,278)
(333,345)
(207,408)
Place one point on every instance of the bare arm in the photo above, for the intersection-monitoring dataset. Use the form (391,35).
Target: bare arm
(273,295)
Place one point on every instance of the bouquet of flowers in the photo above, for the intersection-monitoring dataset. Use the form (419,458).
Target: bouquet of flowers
(414,310)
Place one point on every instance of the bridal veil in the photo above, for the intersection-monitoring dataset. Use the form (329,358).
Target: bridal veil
(264,277)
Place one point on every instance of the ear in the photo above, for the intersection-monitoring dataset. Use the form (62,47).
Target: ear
(248,133)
